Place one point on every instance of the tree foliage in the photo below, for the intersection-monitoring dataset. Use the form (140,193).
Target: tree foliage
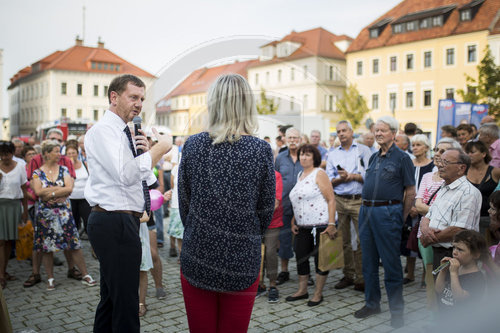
(266,105)
(486,88)
(352,106)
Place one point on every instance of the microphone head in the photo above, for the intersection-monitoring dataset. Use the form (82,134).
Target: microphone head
(137,120)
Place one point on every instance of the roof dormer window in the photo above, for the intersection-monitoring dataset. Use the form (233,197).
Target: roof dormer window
(397,28)
(373,33)
(437,21)
(465,15)
(411,26)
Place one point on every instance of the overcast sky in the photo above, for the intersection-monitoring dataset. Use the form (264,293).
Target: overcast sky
(153,33)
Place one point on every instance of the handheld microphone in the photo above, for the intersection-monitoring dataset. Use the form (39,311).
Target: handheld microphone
(137,126)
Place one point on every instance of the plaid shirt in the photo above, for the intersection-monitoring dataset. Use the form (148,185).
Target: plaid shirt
(457,205)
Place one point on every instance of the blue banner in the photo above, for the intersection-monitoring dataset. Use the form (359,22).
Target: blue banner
(478,112)
(446,115)
(462,113)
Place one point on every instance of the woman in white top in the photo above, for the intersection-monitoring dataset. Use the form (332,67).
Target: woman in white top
(79,206)
(12,190)
(313,204)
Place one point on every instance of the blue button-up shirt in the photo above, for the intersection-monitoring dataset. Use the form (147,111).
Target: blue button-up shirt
(289,172)
(388,175)
(355,160)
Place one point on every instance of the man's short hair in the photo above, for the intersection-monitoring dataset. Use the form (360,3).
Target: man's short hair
(119,84)
(489,129)
(450,129)
(389,121)
(55,130)
(291,129)
(410,129)
(463,158)
(452,142)
(347,122)
(465,127)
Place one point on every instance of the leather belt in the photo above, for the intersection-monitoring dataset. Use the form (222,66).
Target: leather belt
(380,203)
(130,212)
(349,196)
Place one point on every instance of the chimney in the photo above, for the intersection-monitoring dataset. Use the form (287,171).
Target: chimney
(100,43)
(78,41)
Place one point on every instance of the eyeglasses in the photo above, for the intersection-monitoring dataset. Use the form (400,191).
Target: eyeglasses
(446,163)
(59,140)
(437,150)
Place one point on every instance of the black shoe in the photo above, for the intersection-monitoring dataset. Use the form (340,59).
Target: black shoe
(310,282)
(57,261)
(282,278)
(344,283)
(296,298)
(406,280)
(359,286)
(397,321)
(172,252)
(366,312)
(311,303)
(274,295)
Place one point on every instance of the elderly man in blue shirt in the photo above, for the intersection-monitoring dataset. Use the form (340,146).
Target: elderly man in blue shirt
(288,165)
(388,194)
(345,167)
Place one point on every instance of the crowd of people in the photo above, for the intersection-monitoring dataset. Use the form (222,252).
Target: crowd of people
(241,208)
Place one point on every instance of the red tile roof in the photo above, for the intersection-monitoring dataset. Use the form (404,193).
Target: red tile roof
(316,42)
(200,80)
(79,58)
(486,18)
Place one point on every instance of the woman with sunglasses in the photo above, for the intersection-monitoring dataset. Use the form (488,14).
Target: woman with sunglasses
(485,178)
(12,193)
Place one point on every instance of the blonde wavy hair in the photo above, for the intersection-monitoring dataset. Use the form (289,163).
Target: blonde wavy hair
(231,109)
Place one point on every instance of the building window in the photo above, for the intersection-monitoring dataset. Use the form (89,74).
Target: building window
(117,68)
(304,102)
(410,26)
(409,61)
(450,93)
(409,99)
(330,103)
(111,67)
(79,89)
(425,23)
(105,91)
(256,79)
(373,33)
(267,77)
(96,90)
(375,66)
(330,73)
(305,72)
(64,112)
(394,64)
(279,75)
(292,103)
(375,102)
(94,65)
(427,59)
(105,66)
(96,115)
(99,65)
(292,74)
(398,28)
(471,53)
(79,113)
(450,56)
(359,68)
(437,21)
(427,98)
(465,15)
(392,101)
(64,88)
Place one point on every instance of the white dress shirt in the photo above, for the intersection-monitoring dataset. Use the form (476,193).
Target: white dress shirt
(114,174)
(456,205)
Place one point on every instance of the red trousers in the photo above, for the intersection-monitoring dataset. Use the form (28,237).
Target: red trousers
(218,312)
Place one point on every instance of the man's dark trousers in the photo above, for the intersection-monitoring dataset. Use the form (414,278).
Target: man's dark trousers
(115,240)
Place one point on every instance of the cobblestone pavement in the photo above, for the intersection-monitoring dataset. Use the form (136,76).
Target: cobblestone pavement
(71,307)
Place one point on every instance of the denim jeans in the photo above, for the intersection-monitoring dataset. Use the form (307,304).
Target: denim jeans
(380,236)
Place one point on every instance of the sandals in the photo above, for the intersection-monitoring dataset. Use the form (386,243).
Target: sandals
(89,281)
(51,284)
(32,280)
(9,277)
(74,273)
(142,309)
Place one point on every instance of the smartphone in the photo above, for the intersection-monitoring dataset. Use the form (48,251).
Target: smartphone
(339,167)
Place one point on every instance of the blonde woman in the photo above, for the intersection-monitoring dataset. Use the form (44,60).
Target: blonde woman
(226,200)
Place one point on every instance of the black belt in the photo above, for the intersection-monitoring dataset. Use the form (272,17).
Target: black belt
(380,203)
(349,196)
(102,210)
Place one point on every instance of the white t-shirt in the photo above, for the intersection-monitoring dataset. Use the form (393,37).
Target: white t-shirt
(79,187)
(10,185)
(174,203)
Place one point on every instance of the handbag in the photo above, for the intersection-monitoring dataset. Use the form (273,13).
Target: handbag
(24,243)
(412,243)
(331,254)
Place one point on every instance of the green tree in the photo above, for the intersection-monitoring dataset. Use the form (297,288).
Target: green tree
(266,105)
(486,88)
(352,106)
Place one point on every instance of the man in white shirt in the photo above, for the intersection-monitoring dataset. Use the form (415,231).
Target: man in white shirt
(457,206)
(116,191)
